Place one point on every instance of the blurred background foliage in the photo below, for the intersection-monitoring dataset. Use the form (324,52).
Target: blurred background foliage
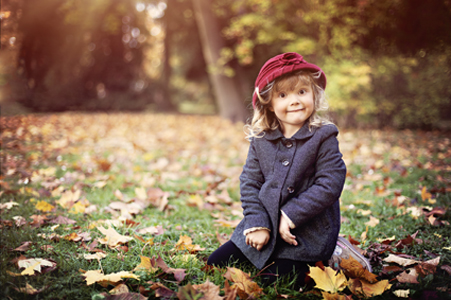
(388,62)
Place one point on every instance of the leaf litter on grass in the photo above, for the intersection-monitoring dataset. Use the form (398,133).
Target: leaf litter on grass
(66,175)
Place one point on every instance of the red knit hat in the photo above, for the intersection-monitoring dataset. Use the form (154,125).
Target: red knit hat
(283,64)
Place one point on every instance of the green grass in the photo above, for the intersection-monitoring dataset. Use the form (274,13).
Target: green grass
(195,165)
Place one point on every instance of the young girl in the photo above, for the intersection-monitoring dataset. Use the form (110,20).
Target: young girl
(293,176)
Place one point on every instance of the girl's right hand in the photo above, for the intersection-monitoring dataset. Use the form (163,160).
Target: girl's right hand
(257,239)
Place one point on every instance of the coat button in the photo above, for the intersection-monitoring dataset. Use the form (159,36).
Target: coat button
(290,189)
(288,144)
(285,162)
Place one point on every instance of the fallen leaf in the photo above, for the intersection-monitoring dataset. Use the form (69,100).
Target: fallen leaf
(399,260)
(408,276)
(112,237)
(402,293)
(97,255)
(97,276)
(206,291)
(119,289)
(354,269)
(328,280)
(362,288)
(246,288)
(336,296)
(8,205)
(44,206)
(30,290)
(186,243)
(62,220)
(34,264)
(25,246)
(147,264)
(372,222)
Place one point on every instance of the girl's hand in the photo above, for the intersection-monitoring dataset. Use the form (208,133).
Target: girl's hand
(257,239)
(285,233)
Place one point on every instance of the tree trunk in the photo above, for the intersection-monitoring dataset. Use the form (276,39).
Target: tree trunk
(228,96)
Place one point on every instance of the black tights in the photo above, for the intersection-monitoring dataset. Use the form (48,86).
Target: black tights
(230,253)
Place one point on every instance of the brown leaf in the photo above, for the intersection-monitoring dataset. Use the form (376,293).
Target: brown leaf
(30,290)
(25,246)
(408,276)
(362,288)
(246,288)
(161,290)
(230,293)
(354,269)
(62,220)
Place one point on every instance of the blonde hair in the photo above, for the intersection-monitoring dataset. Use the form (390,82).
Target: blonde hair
(264,119)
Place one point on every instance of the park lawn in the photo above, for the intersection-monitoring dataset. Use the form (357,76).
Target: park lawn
(90,202)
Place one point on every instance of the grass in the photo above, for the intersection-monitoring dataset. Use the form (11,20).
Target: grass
(188,156)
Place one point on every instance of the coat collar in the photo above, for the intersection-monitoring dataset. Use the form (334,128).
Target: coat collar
(303,133)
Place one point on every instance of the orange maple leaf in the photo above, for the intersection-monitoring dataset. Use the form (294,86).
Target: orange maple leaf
(328,279)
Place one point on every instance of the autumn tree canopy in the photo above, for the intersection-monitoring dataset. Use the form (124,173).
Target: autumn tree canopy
(387,62)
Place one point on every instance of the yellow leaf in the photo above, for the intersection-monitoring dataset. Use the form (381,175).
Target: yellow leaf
(112,237)
(78,208)
(424,194)
(328,280)
(147,264)
(186,243)
(30,270)
(44,206)
(97,276)
(68,198)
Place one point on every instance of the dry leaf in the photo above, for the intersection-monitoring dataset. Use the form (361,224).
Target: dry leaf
(97,276)
(372,222)
(8,205)
(400,260)
(408,276)
(44,206)
(147,264)
(30,290)
(354,269)
(186,243)
(34,264)
(97,255)
(328,280)
(246,288)
(119,289)
(362,288)
(25,246)
(402,293)
(112,237)
(336,296)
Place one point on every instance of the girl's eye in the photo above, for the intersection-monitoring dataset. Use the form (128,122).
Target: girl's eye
(302,92)
(282,95)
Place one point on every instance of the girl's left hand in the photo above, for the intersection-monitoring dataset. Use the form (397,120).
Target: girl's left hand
(285,233)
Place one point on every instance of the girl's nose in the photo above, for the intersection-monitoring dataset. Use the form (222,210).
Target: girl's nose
(294,99)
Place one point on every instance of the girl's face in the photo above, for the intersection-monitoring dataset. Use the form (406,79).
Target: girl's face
(292,102)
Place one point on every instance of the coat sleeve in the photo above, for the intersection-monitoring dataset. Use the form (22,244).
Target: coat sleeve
(251,181)
(330,175)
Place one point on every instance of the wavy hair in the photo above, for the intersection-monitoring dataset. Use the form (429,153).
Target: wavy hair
(264,119)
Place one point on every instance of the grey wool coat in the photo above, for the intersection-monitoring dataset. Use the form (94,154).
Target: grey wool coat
(303,176)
